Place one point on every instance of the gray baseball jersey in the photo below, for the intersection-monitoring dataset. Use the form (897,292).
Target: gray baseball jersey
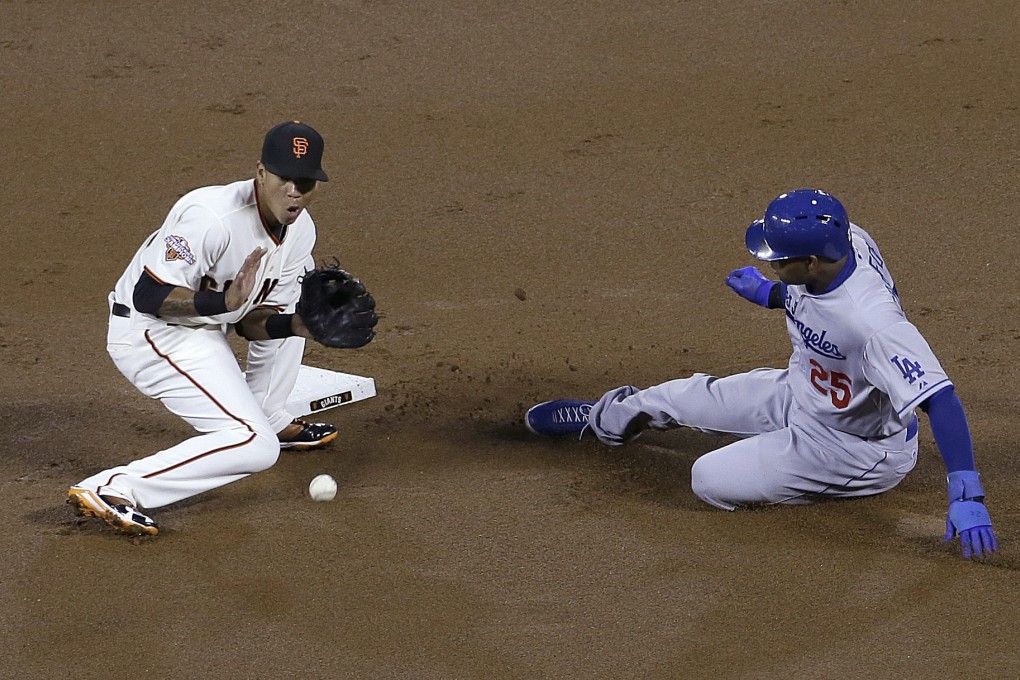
(858,365)
(837,422)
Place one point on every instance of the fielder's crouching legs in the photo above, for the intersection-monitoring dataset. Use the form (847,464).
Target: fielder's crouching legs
(192,467)
(271,373)
(194,374)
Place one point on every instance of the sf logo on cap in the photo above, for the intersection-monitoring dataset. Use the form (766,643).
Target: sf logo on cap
(300,147)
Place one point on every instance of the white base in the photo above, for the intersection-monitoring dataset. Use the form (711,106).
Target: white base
(320,390)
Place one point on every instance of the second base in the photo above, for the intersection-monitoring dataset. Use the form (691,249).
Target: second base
(318,389)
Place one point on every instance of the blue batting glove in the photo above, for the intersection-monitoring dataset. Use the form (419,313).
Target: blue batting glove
(751,284)
(968,515)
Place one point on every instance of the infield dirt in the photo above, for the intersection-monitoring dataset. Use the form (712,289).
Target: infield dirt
(545,199)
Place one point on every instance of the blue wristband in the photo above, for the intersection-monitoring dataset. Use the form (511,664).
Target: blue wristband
(764,292)
(965,485)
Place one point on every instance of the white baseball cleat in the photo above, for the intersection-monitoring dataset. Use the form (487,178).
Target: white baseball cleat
(121,516)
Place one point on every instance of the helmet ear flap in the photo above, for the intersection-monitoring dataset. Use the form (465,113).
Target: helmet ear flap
(757,243)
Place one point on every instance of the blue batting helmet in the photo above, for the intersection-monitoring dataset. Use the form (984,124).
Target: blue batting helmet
(798,224)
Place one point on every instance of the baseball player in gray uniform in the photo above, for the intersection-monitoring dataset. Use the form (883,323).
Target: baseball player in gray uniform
(839,421)
(227,257)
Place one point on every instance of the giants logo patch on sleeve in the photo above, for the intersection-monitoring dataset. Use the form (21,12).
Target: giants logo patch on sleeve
(177,249)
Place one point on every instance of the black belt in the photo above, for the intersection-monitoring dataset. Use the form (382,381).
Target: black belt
(121,310)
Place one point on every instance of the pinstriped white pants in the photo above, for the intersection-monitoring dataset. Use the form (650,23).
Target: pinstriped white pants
(193,372)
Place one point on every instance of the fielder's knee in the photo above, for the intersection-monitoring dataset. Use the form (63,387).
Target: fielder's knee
(263,450)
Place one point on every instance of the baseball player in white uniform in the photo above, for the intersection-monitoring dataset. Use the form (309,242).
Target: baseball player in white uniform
(839,421)
(227,257)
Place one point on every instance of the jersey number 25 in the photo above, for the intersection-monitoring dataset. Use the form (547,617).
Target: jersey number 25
(834,384)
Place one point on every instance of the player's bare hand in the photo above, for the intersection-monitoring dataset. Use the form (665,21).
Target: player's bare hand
(244,282)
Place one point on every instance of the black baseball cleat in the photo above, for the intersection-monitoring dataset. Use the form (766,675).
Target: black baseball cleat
(310,436)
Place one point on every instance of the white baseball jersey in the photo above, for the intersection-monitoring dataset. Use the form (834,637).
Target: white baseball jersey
(189,365)
(205,239)
(858,365)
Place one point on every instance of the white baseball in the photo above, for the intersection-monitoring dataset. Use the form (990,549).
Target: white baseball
(322,488)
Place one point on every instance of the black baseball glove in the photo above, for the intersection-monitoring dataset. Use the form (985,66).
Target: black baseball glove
(336,308)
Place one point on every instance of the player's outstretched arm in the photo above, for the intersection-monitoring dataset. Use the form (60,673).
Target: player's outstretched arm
(968,517)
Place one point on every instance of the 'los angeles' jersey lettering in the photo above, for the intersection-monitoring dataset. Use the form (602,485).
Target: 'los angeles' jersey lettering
(816,341)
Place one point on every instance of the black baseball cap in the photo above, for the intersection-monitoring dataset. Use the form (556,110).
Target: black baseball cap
(294,150)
